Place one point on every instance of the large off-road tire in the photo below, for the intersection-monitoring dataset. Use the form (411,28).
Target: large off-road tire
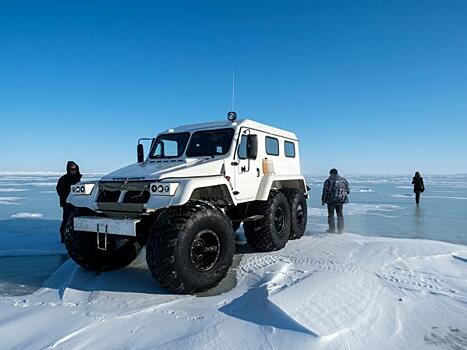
(82,248)
(272,231)
(190,248)
(298,212)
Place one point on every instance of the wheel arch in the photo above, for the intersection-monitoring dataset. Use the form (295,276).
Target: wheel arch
(217,195)
(202,188)
(269,183)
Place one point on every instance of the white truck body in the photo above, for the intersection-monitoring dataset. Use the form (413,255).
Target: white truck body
(235,178)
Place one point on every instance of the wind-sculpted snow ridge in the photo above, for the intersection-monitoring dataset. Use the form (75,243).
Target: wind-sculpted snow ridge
(320,292)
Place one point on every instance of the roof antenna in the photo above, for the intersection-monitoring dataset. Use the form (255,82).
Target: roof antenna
(233,88)
(232,116)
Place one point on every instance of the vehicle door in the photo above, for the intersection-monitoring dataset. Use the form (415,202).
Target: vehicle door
(248,171)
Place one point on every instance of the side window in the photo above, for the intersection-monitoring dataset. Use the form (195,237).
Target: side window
(289,149)
(272,146)
(242,147)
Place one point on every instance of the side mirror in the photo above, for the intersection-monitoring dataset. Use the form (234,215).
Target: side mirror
(140,153)
(252,146)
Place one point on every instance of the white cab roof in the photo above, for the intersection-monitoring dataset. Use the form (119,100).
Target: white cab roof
(237,124)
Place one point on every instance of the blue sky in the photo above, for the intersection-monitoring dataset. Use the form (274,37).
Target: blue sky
(374,87)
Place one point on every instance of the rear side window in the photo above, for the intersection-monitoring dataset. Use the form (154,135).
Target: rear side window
(272,146)
(289,149)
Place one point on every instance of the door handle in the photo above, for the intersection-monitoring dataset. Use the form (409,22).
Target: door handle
(234,163)
(258,173)
(243,169)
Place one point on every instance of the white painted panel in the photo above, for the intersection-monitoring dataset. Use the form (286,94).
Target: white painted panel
(126,227)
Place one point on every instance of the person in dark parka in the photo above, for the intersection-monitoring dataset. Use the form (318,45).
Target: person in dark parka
(418,186)
(64,184)
(335,195)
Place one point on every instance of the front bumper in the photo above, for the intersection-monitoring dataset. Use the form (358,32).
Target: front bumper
(124,227)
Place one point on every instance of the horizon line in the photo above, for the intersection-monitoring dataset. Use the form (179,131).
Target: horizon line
(57,173)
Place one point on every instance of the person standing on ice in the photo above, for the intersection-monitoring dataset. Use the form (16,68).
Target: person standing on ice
(64,184)
(418,186)
(335,195)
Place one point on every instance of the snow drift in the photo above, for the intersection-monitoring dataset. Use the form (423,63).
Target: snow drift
(321,292)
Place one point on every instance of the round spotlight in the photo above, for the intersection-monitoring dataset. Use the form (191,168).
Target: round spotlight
(73,188)
(82,189)
(154,188)
(78,189)
(160,188)
(232,116)
(167,188)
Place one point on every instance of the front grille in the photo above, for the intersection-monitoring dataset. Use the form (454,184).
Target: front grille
(133,192)
(136,197)
(108,196)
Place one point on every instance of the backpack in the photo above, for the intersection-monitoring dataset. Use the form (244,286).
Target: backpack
(337,191)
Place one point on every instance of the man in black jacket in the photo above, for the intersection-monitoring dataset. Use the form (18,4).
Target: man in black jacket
(64,184)
(418,186)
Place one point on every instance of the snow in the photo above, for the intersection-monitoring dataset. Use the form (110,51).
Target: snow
(26,215)
(363,190)
(320,292)
(9,200)
(12,189)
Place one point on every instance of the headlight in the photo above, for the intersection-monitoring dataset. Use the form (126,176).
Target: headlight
(164,189)
(82,189)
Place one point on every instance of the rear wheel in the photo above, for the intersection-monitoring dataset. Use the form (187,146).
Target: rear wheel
(82,248)
(298,212)
(272,231)
(190,248)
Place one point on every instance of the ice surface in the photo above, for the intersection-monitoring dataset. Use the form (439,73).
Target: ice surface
(349,291)
(357,209)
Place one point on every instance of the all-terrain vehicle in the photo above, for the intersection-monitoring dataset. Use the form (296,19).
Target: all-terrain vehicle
(186,199)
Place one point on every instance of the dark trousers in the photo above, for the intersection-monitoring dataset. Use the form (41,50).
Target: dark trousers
(417,197)
(339,209)
(67,210)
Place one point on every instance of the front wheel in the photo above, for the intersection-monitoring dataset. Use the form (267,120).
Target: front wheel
(190,248)
(82,248)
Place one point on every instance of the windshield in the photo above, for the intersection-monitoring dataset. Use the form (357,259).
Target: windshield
(169,145)
(210,142)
